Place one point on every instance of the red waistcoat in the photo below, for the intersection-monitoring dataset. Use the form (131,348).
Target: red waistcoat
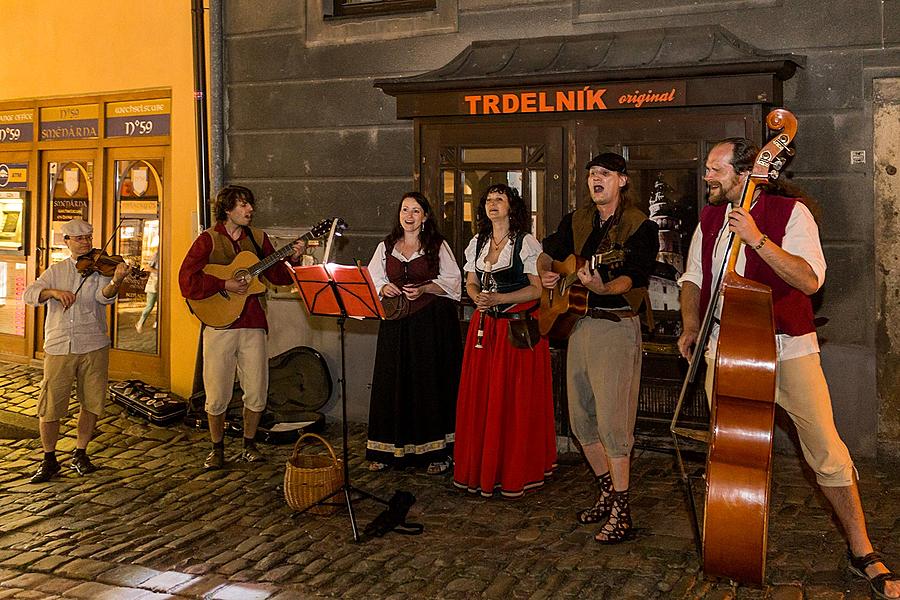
(793,309)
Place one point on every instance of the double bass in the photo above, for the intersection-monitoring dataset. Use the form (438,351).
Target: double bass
(739,461)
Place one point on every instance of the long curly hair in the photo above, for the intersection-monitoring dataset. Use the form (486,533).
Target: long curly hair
(743,155)
(519,215)
(430,238)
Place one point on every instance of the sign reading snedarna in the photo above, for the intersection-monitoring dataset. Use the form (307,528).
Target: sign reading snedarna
(138,118)
(77,122)
(570,99)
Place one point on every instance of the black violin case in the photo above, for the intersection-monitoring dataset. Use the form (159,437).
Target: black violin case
(157,405)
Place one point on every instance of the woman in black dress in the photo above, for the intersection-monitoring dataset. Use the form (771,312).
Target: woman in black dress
(417,364)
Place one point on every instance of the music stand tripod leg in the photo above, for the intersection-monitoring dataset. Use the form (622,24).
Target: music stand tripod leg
(348,486)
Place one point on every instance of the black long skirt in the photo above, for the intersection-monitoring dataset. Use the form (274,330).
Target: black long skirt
(412,409)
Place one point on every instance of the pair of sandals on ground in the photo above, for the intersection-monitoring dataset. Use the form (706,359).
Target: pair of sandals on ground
(612,508)
(435,468)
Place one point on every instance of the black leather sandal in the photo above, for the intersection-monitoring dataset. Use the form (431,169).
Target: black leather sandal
(599,512)
(618,527)
(859,564)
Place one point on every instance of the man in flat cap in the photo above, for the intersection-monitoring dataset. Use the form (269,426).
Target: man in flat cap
(603,364)
(76,346)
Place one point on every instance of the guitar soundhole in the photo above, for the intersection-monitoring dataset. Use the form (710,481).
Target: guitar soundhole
(243,275)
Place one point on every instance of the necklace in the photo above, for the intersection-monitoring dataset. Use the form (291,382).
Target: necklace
(496,245)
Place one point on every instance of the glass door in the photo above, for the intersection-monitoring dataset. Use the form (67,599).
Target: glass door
(67,193)
(463,161)
(136,192)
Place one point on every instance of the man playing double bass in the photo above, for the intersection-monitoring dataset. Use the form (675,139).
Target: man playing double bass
(782,250)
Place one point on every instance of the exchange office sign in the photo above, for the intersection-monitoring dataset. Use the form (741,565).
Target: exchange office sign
(16,126)
(571,99)
(138,118)
(77,122)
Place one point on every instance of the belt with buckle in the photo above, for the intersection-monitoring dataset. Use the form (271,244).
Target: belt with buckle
(610,315)
(511,316)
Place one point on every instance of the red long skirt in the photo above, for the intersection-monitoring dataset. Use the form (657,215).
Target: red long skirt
(505,437)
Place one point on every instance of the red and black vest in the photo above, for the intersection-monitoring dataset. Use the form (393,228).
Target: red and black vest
(793,309)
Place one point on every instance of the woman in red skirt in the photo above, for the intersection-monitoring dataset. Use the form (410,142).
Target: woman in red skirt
(505,438)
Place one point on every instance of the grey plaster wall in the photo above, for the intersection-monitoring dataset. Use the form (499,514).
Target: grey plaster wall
(306,129)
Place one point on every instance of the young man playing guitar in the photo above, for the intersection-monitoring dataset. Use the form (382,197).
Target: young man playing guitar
(242,344)
(603,365)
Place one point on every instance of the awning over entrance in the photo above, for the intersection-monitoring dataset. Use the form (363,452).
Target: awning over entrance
(704,54)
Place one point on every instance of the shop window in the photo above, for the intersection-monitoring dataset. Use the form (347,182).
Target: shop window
(354,8)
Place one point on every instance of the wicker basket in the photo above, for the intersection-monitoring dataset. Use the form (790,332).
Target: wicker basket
(310,477)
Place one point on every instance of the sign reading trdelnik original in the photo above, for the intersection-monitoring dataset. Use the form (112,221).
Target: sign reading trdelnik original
(78,122)
(16,126)
(569,99)
(138,118)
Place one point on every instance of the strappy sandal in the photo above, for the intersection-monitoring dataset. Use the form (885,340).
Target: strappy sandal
(439,467)
(858,565)
(619,527)
(599,512)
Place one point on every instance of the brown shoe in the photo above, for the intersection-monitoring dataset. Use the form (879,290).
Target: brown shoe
(214,460)
(48,469)
(251,454)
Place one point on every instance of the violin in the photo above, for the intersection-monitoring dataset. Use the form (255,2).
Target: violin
(99,261)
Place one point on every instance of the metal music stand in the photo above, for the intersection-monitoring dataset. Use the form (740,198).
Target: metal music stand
(344,292)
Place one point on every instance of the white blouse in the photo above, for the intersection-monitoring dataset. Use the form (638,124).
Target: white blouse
(531,249)
(449,278)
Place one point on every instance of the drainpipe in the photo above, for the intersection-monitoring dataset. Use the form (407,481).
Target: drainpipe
(200,116)
(217,93)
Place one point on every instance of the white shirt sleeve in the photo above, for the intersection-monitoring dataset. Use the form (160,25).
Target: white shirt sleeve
(693,271)
(531,249)
(377,268)
(469,266)
(32,293)
(801,238)
(449,279)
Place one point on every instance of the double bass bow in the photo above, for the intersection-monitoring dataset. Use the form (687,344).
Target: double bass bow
(739,460)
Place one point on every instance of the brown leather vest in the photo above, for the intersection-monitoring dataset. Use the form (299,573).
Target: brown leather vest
(223,253)
(629,219)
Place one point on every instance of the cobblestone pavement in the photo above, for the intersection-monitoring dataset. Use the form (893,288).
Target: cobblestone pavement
(151,524)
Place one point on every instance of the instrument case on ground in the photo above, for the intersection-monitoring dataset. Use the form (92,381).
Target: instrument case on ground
(156,405)
(299,386)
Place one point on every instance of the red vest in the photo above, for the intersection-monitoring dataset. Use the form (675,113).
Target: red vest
(793,309)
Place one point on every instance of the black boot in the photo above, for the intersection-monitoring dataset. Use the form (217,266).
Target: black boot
(216,458)
(49,467)
(81,463)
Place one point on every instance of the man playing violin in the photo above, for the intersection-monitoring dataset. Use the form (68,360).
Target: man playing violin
(603,364)
(76,346)
(242,345)
(782,250)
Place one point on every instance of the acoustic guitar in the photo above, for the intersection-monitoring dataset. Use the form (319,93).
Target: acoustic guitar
(567,301)
(224,308)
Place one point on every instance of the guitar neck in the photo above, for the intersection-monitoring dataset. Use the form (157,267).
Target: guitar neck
(276,256)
